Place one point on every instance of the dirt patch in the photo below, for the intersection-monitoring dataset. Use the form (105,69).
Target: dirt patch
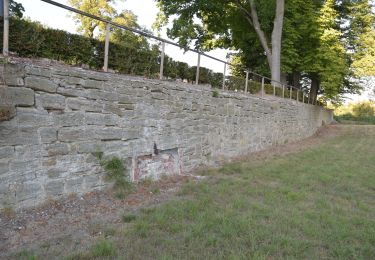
(74,223)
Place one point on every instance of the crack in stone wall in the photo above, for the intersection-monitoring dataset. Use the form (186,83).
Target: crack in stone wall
(62,115)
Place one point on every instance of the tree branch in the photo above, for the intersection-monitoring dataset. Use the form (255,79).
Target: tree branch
(244,10)
(260,32)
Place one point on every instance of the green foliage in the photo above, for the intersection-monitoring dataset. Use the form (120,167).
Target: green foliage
(356,112)
(359,32)
(133,56)
(215,93)
(101,8)
(254,87)
(362,108)
(16,9)
(318,37)
(365,109)
(115,172)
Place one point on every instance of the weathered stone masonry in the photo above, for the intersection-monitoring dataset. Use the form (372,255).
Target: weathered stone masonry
(61,115)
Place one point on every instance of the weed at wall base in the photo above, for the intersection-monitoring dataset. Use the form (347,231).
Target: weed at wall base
(116,171)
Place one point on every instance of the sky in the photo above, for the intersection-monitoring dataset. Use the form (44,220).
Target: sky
(146,11)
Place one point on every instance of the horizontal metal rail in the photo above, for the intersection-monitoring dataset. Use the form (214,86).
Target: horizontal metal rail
(148,35)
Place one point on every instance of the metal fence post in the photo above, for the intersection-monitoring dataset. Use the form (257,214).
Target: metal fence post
(6,29)
(247,81)
(225,70)
(274,90)
(198,66)
(106,47)
(297,95)
(262,86)
(283,91)
(162,61)
(303,97)
(291,92)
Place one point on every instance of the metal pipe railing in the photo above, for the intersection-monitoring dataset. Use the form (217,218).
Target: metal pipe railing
(276,84)
(6,28)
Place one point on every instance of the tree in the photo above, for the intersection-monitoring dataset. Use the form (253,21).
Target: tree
(100,8)
(16,9)
(220,22)
(361,36)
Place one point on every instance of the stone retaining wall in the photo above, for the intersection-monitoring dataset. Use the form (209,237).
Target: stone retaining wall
(59,116)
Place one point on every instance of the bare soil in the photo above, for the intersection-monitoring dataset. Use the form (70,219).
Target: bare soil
(74,223)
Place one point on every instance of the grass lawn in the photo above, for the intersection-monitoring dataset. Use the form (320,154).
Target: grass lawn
(317,203)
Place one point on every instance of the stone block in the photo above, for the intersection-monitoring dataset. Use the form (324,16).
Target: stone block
(126,106)
(28,191)
(21,96)
(13,74)
(48,161)
(56,149)
(54,188)
(92,182)
(101,119)
(73,134)
(38,71)
(4,168)
(7,112)
(6,152)
(72,91)
(129,134)
(102,95)
(25,170)
(18,136)
(74,185)
(30,117)
(50,101)
(108,133)
(125,99)
(95,84)
(88,147)
(84,105)
(69,119)
(42,84)
(48,134)
(112,109)
(55,172)
(28,152)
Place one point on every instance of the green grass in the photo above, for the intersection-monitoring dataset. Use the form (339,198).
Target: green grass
(103,249)
(315,204)
(127,218)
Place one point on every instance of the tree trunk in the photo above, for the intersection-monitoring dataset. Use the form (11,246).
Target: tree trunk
(276,41)
(296,79)
(284,78)
(273,55)
(315,85)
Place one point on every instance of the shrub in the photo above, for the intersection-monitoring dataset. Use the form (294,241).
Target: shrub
(215,93)
(363,109)
(116,172)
